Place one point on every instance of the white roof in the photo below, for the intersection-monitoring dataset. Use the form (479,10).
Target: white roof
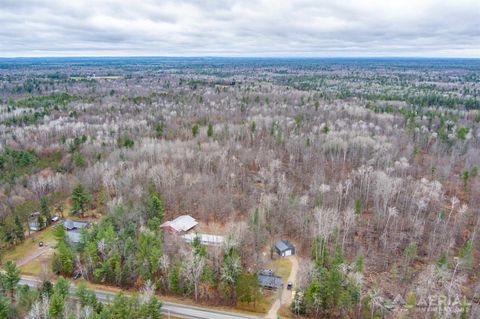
(205,239)
(181,223)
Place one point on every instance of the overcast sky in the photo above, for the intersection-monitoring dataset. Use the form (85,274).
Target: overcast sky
(311,28)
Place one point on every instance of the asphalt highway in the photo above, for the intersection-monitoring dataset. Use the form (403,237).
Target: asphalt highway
(169,308)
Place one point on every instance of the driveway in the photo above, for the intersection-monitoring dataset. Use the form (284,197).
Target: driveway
(285,297)
(33,256)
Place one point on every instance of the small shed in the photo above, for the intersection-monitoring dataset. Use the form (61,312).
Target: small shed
(34,226)
(284,248)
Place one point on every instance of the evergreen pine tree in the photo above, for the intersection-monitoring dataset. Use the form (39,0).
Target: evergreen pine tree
(45,211)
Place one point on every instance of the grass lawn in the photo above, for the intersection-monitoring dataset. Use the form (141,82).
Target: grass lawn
(262,306)
(281,267)
(39,266)
(30,245)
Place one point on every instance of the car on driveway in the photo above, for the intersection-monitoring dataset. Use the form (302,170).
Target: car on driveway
(76,275)
(40,244)
(289,285)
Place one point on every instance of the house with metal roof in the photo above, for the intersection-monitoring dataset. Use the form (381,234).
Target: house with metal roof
(73,224)
(269,280)
(284,248)
(74,229)
(74,236)
(180,224)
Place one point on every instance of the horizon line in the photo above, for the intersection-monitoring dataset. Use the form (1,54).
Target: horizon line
(238,57)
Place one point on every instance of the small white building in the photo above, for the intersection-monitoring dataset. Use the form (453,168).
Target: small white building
(180,224)
(205,239)
(34,226)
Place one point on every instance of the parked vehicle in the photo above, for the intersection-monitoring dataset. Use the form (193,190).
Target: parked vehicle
(76,275)
(55,219)
(289,285)
(40,244)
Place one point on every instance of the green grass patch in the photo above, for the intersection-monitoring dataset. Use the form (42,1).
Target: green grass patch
(30,245)
(40,265)
(261,306)
(282,267)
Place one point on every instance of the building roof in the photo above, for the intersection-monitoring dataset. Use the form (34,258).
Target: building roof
(270,280)
(74,236)
(181,223)
(73,224)
(283,245)
(34,225)
(205,239)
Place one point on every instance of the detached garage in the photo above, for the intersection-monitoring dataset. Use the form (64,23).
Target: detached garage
(285,248)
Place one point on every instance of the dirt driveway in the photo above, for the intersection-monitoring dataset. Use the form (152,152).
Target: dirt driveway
(33,256)
(285,294)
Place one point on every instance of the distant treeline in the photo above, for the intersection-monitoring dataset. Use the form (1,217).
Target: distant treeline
(431,100)
(41,106)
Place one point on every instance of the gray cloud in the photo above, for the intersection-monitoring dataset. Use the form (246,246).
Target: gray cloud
(240,27)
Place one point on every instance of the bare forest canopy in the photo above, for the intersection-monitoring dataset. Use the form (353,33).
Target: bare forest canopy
(370,166)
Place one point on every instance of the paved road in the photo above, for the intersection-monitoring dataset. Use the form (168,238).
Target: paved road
(176,310)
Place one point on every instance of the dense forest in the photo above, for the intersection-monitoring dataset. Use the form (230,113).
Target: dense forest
(369,167)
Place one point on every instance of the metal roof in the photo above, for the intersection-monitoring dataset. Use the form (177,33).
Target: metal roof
(205,239)
(34,226)
(283,245)
(270,281)
(72,224)
(74,236)
(181,223)
(68,224)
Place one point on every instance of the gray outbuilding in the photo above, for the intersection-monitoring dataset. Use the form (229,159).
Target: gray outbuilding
(284,248)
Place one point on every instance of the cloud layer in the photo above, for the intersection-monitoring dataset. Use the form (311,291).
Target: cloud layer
(313,28)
